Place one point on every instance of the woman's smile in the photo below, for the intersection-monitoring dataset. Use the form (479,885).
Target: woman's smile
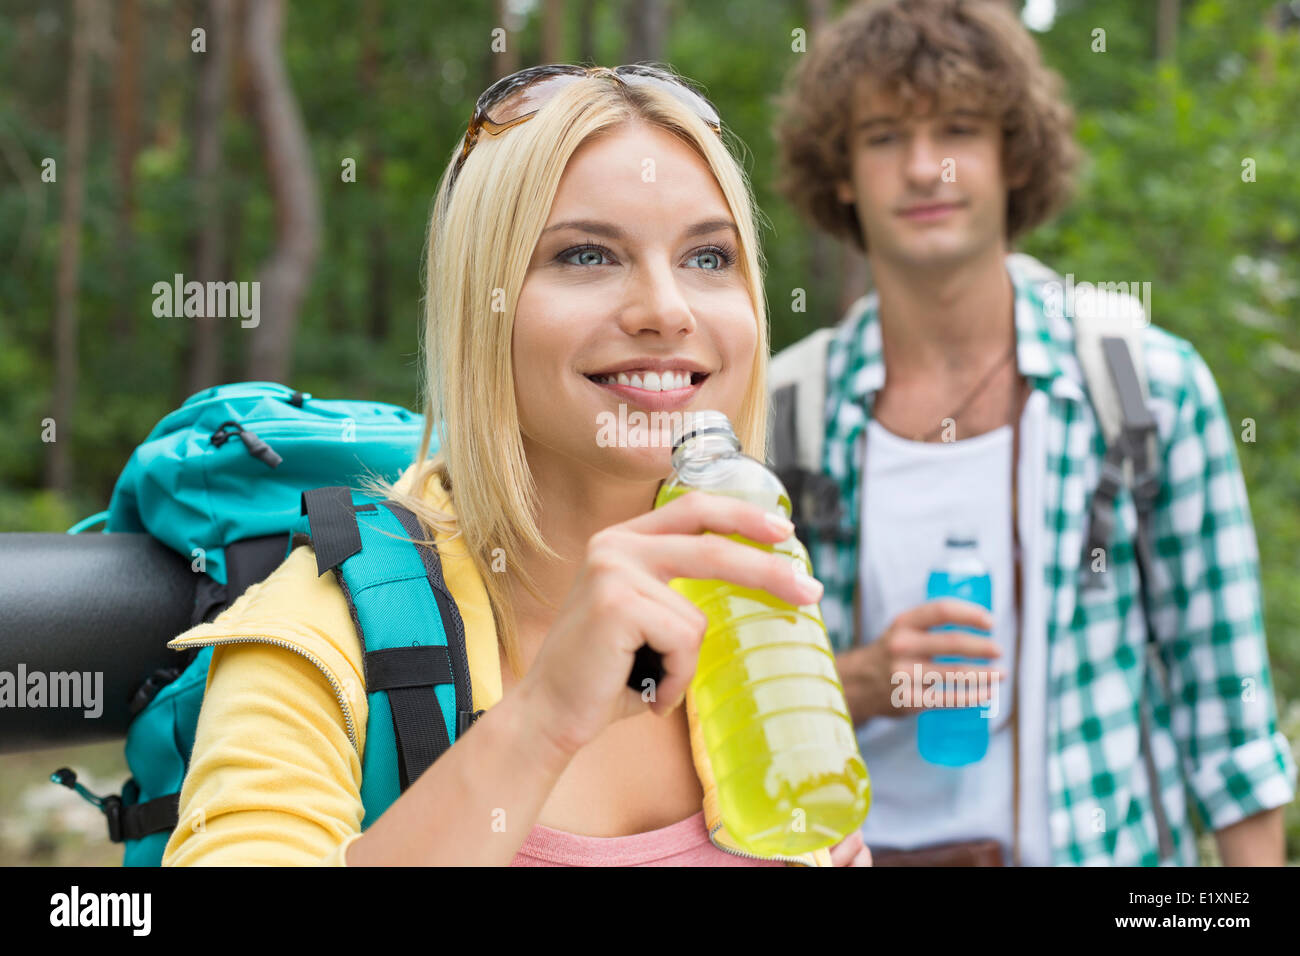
(654,386)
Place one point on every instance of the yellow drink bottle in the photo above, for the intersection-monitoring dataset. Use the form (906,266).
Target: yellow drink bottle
(770,703)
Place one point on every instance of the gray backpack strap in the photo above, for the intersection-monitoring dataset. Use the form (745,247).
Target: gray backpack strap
(797,388)
(1106,348)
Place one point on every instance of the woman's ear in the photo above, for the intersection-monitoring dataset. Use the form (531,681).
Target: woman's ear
(844,192)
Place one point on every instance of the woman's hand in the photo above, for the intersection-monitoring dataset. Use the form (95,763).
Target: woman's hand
(621,600)
(851,851)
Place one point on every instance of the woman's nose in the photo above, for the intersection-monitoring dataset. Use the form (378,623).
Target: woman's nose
(655,303)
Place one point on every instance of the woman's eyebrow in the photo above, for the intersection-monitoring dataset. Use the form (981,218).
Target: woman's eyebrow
(612,231)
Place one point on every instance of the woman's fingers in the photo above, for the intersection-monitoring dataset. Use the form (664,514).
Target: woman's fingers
(698,511)
(670,556)
(671,625)
(847,850)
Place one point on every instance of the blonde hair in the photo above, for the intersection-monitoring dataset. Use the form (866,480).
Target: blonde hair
(481,238)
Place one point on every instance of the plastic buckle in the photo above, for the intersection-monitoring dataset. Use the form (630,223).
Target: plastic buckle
(112,807)
(466,719)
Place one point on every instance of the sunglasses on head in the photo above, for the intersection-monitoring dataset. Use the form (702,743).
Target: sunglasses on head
(516,98)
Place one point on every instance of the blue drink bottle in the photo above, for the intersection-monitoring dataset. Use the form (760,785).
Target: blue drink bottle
(956,736)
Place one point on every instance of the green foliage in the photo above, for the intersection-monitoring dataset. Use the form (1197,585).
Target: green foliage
(1161,199)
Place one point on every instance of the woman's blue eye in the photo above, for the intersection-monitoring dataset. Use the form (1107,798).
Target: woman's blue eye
(580,251)
(717,255)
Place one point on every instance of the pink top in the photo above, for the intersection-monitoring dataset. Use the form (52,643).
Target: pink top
(685,843)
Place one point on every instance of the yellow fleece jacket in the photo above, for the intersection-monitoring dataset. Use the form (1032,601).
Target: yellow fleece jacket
(275,776)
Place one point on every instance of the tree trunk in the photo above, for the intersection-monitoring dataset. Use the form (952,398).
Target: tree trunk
(849,278)
(285,276)
(126,144)
(205,358)
(373,157)
(505,62)
(72,176)
(587,31)
(553,31)
(646,23)
(1166,29)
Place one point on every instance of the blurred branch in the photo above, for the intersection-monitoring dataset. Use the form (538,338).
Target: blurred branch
(26,174)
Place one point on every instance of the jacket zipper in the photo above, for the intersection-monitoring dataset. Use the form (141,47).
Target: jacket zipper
(347,717)
(750,856)
(338,692)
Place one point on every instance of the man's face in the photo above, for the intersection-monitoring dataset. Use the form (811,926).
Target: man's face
(927,183)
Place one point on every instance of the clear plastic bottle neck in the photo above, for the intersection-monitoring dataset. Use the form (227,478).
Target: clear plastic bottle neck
(704,437)
(961,552)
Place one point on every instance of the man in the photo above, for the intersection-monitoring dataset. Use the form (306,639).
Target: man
(929,134)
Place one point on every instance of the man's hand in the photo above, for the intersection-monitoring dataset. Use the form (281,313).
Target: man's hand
(867,672)
(851,851)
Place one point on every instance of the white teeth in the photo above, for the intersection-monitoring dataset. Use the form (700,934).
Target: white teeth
(652,381)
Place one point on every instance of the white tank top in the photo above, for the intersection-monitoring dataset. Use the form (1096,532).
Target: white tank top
(915,493)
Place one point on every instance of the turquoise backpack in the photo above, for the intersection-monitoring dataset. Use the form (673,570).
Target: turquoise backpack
(236,509)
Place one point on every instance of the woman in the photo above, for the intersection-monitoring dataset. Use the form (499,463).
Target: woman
(591,229)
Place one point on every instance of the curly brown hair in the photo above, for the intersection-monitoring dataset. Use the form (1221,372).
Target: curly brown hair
(925,50)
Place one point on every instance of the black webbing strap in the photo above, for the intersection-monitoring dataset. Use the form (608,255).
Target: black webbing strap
(1132,445)
(1101,519)
(334,530)
(420,666)
(452,623)
(409,674)
(141,819)
(815,505)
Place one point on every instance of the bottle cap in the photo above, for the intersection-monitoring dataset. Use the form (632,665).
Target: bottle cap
(703,422)
(963,536)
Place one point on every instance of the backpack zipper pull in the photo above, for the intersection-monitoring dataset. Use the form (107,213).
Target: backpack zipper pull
(255,446)
(68,778)
(110,806)
(258,448)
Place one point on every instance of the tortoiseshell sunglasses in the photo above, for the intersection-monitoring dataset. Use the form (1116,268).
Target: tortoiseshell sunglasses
(516,98)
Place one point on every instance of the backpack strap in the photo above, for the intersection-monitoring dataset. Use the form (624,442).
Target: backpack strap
(415,665)
(1109,349)
(797,385)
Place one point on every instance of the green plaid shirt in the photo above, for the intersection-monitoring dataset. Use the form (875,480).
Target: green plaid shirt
(1214,728)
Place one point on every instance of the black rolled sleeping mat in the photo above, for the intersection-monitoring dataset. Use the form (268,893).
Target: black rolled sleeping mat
(102,604)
